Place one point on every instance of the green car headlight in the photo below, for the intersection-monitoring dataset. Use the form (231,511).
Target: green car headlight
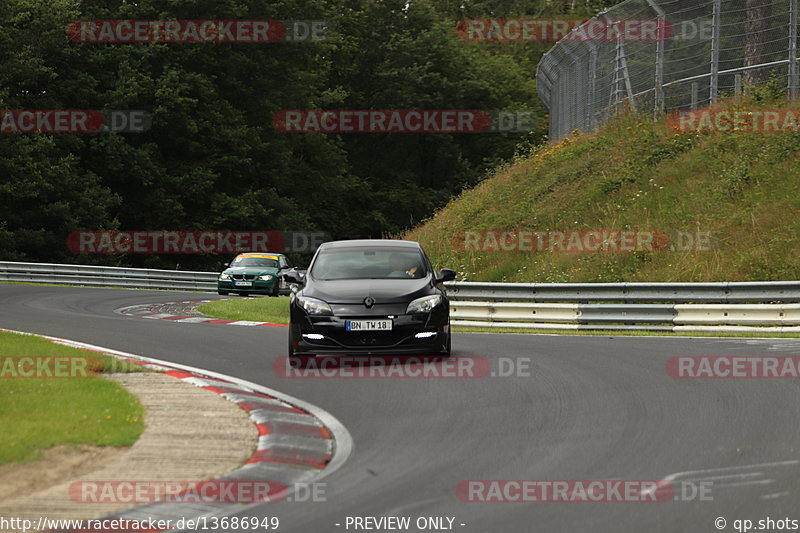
(224,276)
(265,277)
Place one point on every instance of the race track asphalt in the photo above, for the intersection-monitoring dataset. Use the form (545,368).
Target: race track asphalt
(592,407)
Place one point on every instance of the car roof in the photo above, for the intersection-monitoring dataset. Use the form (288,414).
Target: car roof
(259,254)
(369,243)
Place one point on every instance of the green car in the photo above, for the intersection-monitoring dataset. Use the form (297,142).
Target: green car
(255,273)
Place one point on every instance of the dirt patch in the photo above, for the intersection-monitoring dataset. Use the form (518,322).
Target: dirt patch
(191,434)
(58,464)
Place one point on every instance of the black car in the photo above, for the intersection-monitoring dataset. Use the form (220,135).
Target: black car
(370,297)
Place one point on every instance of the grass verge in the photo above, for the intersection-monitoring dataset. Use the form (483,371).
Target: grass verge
(737,193)
(37,413)
(274,310)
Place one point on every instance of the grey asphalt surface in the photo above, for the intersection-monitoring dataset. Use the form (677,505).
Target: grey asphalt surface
(593,407)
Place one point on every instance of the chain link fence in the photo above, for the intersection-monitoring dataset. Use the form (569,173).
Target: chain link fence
(664,55)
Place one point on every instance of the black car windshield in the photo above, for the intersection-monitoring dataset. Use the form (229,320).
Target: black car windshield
(369,263)
(262,262)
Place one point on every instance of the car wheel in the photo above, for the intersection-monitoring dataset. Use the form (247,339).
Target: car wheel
(222,293)
(275,289)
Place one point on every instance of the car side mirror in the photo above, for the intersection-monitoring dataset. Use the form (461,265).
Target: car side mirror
(446,274)
(293,276)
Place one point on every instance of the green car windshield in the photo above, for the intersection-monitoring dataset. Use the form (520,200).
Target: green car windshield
(260,262)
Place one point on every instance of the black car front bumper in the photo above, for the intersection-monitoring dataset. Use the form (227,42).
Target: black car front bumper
(410,334)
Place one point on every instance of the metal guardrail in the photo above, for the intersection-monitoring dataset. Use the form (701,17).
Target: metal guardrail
(687,307)
(772,306)
(103,276)
(714,292)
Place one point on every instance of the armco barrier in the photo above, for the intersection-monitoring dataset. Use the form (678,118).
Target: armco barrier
(103,276)
(717,292)
(686,307)
(766,306)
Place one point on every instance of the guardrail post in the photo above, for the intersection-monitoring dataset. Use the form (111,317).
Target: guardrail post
(793,67)
(715,46)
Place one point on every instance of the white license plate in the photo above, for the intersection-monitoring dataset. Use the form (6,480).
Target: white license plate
(244,283)
(368,325)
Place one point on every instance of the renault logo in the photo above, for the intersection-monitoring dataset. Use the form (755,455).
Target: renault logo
(369,301)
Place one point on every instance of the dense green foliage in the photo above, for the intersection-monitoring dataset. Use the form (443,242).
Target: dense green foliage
(212,159)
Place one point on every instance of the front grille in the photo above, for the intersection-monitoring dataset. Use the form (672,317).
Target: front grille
(371,338)
(250,277)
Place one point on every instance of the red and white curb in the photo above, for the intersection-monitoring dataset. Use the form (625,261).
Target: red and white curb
(298,442)
(145,311)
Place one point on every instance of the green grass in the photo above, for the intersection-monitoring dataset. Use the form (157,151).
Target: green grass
(39,413)
(636,173)
(274,310)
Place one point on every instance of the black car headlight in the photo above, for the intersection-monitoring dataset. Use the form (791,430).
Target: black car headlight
(424,304)
(224,277)
(312,306)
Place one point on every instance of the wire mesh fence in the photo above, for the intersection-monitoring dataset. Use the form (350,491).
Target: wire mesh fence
(665,55)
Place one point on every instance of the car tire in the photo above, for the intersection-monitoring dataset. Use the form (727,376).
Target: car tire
(222,293)
(275,289)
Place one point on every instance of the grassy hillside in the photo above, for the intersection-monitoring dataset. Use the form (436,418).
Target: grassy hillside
(743,189)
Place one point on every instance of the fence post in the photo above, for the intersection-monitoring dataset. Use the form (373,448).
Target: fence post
(660,38)
(591,119)
(737,84)
(621,74)
(715,46)
(695,91)
(577,116)
(793,72)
